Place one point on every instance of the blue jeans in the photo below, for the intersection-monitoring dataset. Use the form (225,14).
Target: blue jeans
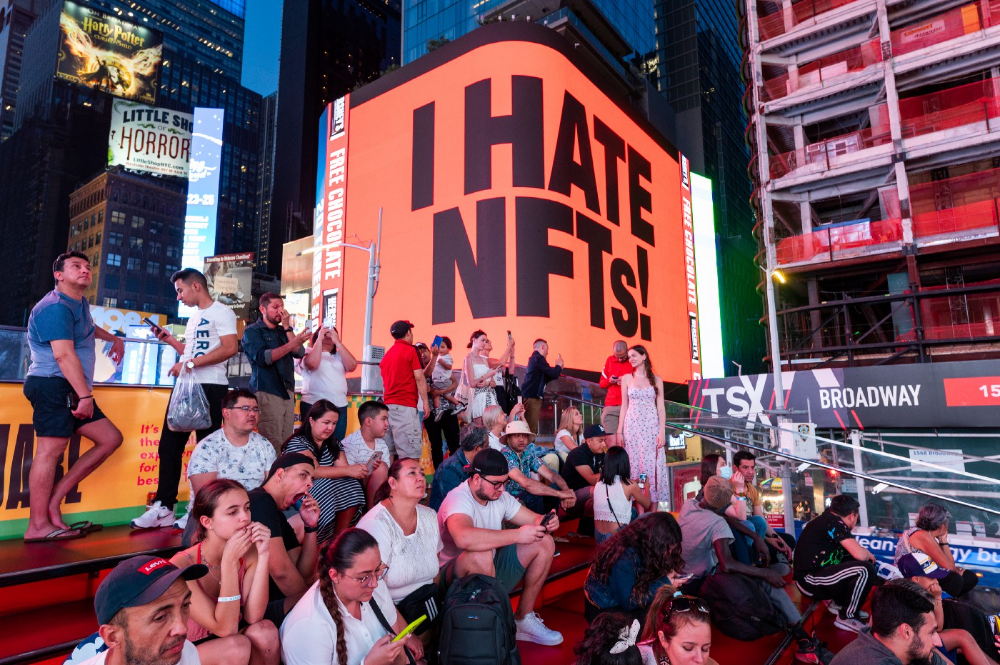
(742,547)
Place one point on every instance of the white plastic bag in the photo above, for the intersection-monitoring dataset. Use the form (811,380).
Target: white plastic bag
(188,408)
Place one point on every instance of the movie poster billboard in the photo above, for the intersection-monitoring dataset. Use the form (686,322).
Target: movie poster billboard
(230,278)
(102,51)
(153,140)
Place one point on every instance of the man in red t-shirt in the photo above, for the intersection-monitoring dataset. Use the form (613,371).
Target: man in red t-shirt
(615,367)
(402,382)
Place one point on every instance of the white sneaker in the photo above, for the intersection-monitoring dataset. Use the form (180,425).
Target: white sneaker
(853,625)
(531,629)
(181,523)
(834,608)
(155,517)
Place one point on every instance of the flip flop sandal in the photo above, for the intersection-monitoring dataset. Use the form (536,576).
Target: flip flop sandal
(58,534)
(85,527)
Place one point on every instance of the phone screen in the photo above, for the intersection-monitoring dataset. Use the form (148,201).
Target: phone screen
(437,341)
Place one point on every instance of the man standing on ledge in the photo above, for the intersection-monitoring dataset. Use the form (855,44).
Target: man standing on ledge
(59,385)
(402,381)
(615,367)
(539,373)
(270,345)
(209,341)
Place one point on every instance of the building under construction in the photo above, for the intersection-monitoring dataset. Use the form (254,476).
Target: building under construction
(875,141)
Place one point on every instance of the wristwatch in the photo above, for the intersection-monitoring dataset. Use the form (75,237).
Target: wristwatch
(189,364)
(311,529)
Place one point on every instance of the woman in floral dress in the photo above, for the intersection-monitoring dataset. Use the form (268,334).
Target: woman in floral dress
(643,422)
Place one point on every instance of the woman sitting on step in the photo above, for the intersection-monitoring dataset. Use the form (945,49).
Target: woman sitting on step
(232,599)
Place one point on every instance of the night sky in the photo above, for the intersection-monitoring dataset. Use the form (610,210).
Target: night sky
(261,45)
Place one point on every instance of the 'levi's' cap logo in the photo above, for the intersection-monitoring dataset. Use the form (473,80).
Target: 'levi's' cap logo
(153,565)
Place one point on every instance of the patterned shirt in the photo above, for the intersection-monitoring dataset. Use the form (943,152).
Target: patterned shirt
(246,464)
(527,462)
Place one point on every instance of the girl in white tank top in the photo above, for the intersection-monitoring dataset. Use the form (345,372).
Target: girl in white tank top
(614,494)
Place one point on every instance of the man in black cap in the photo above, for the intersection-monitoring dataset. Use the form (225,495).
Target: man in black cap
(582,468)
(291,564)
(142,608)
(403,383)
(471,522)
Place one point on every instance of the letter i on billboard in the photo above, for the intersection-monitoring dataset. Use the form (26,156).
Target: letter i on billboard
(203,190)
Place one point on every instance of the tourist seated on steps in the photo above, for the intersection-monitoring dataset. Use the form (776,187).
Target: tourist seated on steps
(615,495)
(962,626)
(631,566)
(232,598)
(610,640)
(677,630)
(142,608)
(924,550)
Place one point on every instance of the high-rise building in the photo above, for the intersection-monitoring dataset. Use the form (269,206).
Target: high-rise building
(698,69)
(202,63)
(327,48)
(265,180)
(877,169)
(16,17)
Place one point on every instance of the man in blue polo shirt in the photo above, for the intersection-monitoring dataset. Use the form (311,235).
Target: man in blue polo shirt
(59,384)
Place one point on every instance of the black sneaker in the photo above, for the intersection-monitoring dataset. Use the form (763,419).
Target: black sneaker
(811,651)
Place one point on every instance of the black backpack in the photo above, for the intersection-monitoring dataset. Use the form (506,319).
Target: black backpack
(477,624)
(740,608)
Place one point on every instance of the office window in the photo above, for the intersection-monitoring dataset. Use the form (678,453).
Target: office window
(155,248)
(134,263)
(118,217)
(138,222)
(153,267)
(134,242)
(114,259)
(173,252)
(110,302)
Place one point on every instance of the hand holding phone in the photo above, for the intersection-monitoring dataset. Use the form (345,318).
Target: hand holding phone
(437,341)
(548,518)
(409,628)
(152,326)
(642,480)
(374,460)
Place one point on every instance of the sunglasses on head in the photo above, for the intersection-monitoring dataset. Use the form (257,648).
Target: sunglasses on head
(683,604)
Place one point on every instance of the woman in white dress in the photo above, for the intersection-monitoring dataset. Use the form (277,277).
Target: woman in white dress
(480,372)
(643,422)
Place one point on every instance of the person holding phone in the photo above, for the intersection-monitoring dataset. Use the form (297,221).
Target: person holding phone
(347,616)
(615,495)
(59,384)
(209,342)
(480,372)
(615,367)
(361,446)
(324,371)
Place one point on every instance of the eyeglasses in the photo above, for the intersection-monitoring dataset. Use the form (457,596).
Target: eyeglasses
(683,604)
(379,574)
(497,484)
(248,409)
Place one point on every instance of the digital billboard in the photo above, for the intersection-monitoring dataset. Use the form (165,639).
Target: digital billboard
(230,279)
(144,138)
(707,278)
(202,210)
(102,51)
(517,192)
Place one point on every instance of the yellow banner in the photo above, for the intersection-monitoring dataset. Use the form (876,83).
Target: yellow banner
(117,491)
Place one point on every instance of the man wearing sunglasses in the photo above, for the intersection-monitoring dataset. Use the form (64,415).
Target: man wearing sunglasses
(236,451)
(471,520)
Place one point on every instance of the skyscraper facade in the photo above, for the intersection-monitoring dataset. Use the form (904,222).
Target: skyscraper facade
(328,48)
(698,70)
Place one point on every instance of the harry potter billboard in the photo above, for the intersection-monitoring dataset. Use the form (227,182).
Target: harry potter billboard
(101,51)
(517,192)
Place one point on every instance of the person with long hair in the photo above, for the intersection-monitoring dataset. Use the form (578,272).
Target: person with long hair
(324,371)
(677,630)
(335,482)
(630,566)
(480,371)
(408,538)
(570,428)
(615,494)
(924,550)
(347,616)
(610,640)
(643,422)
(235,592)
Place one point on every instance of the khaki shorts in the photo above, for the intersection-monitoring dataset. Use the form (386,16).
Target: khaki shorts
(609,419)
(405,434)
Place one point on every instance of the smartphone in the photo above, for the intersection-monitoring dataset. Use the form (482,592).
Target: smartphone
(409,628)
(152,325)
(72,401)
(519,399)
(437,341)
(373,460)
(642,480)
(510,337)
(548,518)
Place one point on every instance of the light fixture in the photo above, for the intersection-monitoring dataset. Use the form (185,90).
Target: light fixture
(779,276)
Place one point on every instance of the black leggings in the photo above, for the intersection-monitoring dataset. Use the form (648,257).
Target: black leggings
(957,584)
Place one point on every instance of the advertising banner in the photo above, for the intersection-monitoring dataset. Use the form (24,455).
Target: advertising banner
(102,51)
(328,230)
(116,492)
(203,189)
(230,278)
(959,394)
(144,138)
(516,193)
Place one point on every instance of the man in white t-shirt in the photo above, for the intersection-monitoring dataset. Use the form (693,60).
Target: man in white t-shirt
(142,609)
(471,522)
(209,341)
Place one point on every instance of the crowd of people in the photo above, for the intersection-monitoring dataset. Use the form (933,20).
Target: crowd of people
(311,545)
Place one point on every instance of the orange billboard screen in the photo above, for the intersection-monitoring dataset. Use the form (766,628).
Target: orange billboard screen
(516,194)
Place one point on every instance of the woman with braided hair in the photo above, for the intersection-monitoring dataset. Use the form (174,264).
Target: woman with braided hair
(347,616)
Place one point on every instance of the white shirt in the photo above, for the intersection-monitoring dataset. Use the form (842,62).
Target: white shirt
(247,464)
(203,332)
(441,377)
(460,501)
(560,445)
(189,656)
(413,559)
(495,442)
(328,381)
(358,452)
(309,635)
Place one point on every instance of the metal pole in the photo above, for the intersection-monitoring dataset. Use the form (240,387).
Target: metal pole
(786,490)
(369,299)
(772,321)
(862,497)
